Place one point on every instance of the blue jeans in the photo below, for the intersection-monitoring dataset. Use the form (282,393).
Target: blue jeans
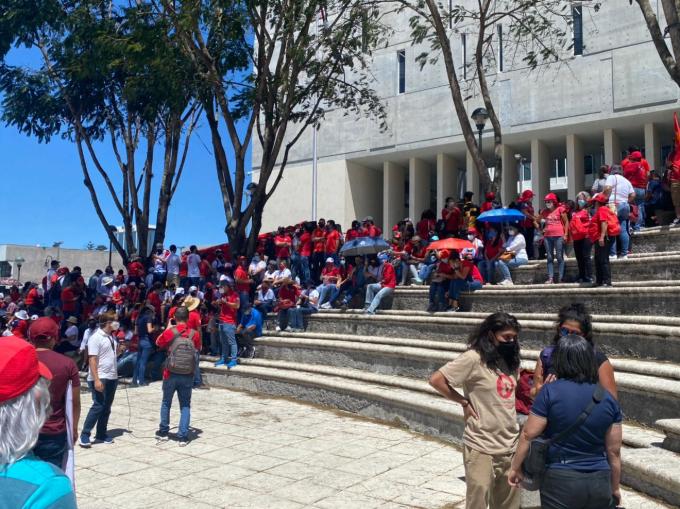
(375,293)
(296,316)
(228,340)
(425,271)
(640,202)
(620,244)
(145,349)
(198,379)
(100,410)
(554,247)
(304,269)
(457,286)
(126,364)
(327,293)
(505,267)
(51,448)
(181,384)
(438,292)
(488,270)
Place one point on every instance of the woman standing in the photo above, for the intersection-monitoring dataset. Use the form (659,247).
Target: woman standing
(573,319)
(583,469)
(144,328)
(603,229)
(488,372)
(578,229)
(555,234)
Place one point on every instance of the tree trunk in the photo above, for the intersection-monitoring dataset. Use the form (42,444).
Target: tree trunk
(667,59)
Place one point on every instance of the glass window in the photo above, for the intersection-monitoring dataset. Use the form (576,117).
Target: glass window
(577,19)
(463,50)
(401,63)
(499,55)
(5,269)
(588,165)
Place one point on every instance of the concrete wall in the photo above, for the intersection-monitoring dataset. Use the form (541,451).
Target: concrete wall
(33,268)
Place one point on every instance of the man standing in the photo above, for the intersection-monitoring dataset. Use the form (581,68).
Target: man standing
(319,243)
(194,267)
(636,170)
(619,190)
(172,265)
(52,441)
(451,215)
(376,292)
(102,379)
(243,282)
(178,375)
(228,305)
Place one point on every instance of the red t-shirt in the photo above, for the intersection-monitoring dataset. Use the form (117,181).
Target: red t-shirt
(351,234)
(330,272)
(487,205)
(373,231)
(282,252)
(578,226)
(183,267)
(135,269)
(290,293)
(63,369)
(319,245)
(240,273)
(603,215)
(32,297)
(306,244)
(332,241)
(168,336)
(424,227)
(452,218)
(228,314)
(389,277)
(474,271)
(445,268)
(636,171)
(155,301)
(205,268)
(68,302)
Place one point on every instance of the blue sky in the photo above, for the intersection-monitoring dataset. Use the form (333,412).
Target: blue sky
(44,198)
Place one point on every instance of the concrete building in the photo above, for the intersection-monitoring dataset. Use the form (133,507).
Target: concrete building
(36,261)
(563,120)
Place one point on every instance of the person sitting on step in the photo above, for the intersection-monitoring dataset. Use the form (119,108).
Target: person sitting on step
(440,282)
(466,278)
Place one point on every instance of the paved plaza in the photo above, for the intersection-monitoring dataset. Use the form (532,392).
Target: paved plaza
(255,452)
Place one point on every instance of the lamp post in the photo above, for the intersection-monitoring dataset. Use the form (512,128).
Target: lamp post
(480,116)
(19,262)
(112,229)
(58,244)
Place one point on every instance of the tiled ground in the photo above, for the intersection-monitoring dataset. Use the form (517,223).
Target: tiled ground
(254,452)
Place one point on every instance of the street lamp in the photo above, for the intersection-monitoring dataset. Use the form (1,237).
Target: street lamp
(480,116)
(58,244)
(19,262)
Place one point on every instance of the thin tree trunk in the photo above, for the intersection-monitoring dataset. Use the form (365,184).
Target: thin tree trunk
(667,59)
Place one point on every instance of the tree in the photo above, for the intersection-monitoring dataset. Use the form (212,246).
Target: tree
(90,246)
(669,57)
(112,75)
(538,31)
(277,66)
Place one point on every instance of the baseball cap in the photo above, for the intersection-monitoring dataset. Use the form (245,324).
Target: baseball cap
(599,198)
(43,327)
(330,260)
(19,368)
(444,254)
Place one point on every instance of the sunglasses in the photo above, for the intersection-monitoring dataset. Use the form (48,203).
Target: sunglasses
(565,331)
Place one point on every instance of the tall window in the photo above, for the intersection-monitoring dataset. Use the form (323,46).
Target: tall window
(401,66)
(463,51)
(577,18)
(499,54)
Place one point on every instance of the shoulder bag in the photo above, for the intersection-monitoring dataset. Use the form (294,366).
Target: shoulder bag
(535,462)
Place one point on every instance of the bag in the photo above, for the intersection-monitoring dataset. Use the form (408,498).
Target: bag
(506,257)
(613,226)
(533,465)
(181,354)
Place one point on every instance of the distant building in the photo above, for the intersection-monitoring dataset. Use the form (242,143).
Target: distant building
(36,261)
(120,236)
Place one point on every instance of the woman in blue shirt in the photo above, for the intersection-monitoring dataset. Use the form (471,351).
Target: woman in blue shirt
(583,469)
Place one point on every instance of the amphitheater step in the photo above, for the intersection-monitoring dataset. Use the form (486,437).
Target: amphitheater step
(414,406)
(656,239)
(671,428)
(643,337)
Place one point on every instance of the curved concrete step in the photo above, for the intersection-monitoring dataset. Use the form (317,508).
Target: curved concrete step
(657,239)
(421,411)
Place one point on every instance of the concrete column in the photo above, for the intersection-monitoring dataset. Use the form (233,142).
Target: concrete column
(653,147)
(394,177)
(540,176)
(419,188)
(472,178)
(575,172)
(510,177)
(447,180)
(612,147)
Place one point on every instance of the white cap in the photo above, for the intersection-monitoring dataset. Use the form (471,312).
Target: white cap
(193,289)
(179,291)
(330,260)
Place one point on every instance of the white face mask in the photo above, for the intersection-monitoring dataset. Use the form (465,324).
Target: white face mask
(471,237)
(115,326)
(549,205)
(512,232)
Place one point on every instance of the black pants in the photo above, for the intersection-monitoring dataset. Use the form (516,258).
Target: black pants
(603,275)
(318,261)
(51,448)
(244,340)
(100,410)
(570,489)
(582,250)
(529,238)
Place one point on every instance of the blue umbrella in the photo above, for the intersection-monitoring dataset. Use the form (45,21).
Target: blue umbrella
(501,216)
(364,246)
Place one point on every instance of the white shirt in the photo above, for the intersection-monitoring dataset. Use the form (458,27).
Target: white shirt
(86,337)
(256,267)
(282,274)
(621,188)
(193,262)
(71,334)
(104,347)
(172,264)
(268,295)
(517,244)
(313,298)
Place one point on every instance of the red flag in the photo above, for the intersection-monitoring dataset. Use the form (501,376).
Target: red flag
(675,155)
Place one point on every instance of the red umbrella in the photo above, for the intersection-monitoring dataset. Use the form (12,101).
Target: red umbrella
(452,244)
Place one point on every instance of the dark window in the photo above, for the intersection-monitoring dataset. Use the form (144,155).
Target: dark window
(5,269)
(577,16)
(499,56)
(401,62)
(463,49)
(588,165)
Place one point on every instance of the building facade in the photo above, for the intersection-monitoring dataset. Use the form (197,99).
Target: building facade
(560,123)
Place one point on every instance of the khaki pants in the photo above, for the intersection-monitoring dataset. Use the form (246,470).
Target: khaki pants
(173,279)
(486,478)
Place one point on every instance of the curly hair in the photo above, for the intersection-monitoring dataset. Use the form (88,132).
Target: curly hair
(482,341)
(576,312)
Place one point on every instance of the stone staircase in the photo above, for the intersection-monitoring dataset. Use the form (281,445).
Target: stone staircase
(378,366)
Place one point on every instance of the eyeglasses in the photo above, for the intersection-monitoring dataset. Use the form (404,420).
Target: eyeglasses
(565,331)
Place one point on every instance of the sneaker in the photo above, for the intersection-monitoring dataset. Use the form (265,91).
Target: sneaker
(612,258)
(221,362)
(326,305)
(506,282)
(368,312)
(549,281)
(431,308)
(183,441)
(278,329)
(232,364)
(676,222)
(623,257)
(106,440)
(161,435)
(85,442)
(419,281)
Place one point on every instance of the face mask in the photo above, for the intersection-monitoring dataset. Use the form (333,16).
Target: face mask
(512,232)
(256,259)
(342,262)
(506,349)
(223,290)
(582,203)
(115,325)
(492,234)
(549,205)
(471,237)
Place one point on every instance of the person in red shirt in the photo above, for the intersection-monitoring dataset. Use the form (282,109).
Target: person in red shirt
(33,300)
(354,232)
(636,170)
(243,282)
(19,325)
(228,304)
(488,202)
(426,226)
(287,299)
(173,382)
(601,231)
(319,243)
(578,231)
(370,229)
(332,241)
(376,292)
(305,249)
(206,270)
(283,243)
(154,297)
(70,296)
(441,280)
(328,290)
(135,270)
(451,215)
(466,277)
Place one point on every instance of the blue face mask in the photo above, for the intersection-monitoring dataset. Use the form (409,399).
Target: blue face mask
(582,203)
(491,234)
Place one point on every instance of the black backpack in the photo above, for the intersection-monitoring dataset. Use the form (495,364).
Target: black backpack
(181,354)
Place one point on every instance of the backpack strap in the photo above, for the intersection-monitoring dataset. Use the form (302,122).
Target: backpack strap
(598,395)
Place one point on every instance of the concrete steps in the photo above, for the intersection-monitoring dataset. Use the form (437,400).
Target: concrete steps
(658,239)
(412,404)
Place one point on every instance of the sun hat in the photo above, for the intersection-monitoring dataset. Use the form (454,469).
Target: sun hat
(22,315)
(72,319)
(179,291)
(19,368)
(107,280)
(193,289)
(330,260)
(599,198)
(526,195)
(444,253)
(551,197)
(191,303)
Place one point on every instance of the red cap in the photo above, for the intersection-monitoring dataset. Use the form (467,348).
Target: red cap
(19,368)
(636,155)
(526,195)
(472,230)
(490,196)
(43,327)
(444,253)
(599,198)
(551,197)
(62,271)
